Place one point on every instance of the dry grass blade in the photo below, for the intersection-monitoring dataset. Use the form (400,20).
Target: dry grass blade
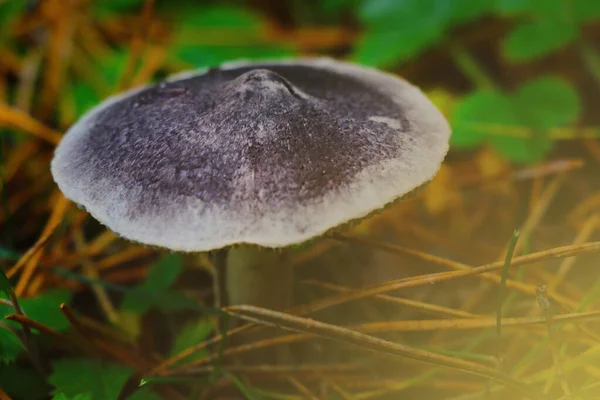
(558,252)
(341,392)
(90,272)
(137,45)
(467,323)
(332,332)
(57,215)
(257,345)
(3,395)
(31,324)
(546,307)
(374,327)
(586,231)
(268,369)
(165,365)
(425,307)
(11,117)
(302,388)
(565,251)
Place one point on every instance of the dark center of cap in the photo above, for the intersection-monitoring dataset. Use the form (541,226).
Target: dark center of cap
(264,80)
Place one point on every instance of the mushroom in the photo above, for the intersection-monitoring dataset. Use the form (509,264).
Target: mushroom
(251,157)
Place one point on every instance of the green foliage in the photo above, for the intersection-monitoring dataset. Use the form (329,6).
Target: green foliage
(44,309)
(110,8)
(85,96)
(548,103)
(62,396)
(144,394)
(331,7)
(541,104)
(546,25)
(5,285)
(534,39)
(190,335)
(10,11)
(22,383)
(396,30)
(154,290)
(229,25)
(96,379)
(10,345)
(8,254)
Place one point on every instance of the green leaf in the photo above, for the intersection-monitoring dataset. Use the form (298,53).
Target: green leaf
(85,97)
(10,10)
(330,7)
(108,8)
(384,48)
(164,272)
(139,300)
(5,285)
(546,9)
(555,10)
(22,383)
(43,308)
(462,11)
(9,254)
(112,68)
(154,290)
(585,10)
(532,40)
(398,30)
(373,11)
(161,380)
(548,103)
(10,346)
(542,104)
(102,380)
(509,7)
(237,29)
(173,301)
(205,56)
(223,16)
(190,335)
(476,110)
(144,394)
(81,396)
(520,150)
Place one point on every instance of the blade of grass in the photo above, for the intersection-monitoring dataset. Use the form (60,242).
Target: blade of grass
(422,306)
(557,252)
(55,218)
(17,119)
(546,307)
(502,291)
(299,324)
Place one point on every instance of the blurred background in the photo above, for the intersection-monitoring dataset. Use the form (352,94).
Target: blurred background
(519,81)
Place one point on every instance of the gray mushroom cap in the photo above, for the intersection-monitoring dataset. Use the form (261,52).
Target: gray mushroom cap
(267,153)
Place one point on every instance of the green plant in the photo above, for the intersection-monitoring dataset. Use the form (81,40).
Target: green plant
(497,118)
(504,92)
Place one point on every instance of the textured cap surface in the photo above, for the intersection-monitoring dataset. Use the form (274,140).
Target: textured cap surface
(270,153)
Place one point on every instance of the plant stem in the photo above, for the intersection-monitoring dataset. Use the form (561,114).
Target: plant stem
(591,60)
(470,67)
(259,276)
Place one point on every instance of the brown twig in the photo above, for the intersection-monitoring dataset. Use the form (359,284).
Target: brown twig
(332,332)
(546,307)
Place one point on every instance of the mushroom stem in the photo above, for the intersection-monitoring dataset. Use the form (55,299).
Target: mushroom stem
(259,276)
